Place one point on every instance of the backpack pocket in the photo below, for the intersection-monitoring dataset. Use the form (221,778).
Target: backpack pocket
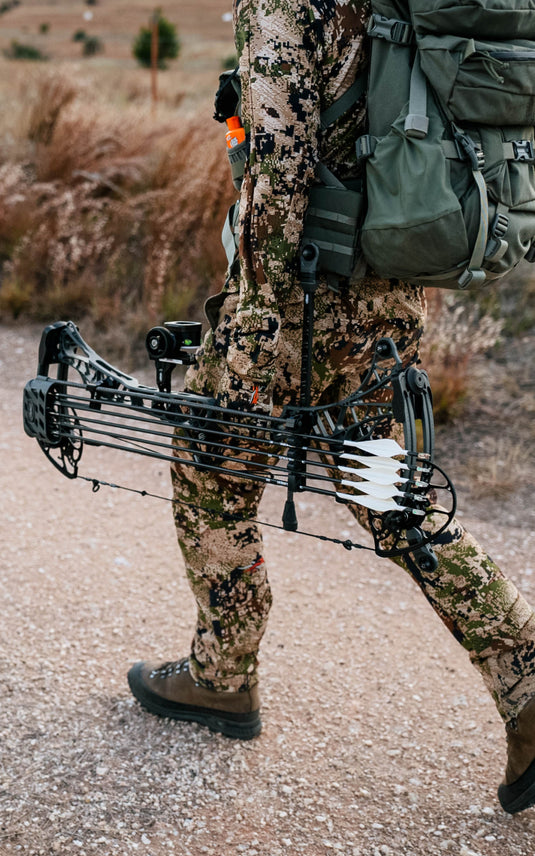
(414,226)
(332,222)
(511,195)
(485,83)
(492,19)
(429,216)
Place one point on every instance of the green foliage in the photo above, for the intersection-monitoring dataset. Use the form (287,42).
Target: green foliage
(92,46)
(8,5)
(17,50)
(44,28)
(229,62)
(168,44)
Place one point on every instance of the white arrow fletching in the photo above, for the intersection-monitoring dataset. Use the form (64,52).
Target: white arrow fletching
(374,461)
(381,491)
(371,502)
(372,475)
(387,448)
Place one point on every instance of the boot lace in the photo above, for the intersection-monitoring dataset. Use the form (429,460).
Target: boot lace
(170,669)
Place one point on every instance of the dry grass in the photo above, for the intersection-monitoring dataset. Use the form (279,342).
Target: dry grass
(107,205)
(105,213)
(456,331)
(500,468)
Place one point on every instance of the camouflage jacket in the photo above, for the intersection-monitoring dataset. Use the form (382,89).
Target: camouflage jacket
(296,58)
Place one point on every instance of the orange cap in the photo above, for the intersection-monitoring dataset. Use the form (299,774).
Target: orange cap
(235,134)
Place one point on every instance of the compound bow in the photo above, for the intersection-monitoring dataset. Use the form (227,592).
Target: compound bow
(339,450)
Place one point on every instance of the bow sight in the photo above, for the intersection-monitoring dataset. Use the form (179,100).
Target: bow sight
(342,450)
(176,343)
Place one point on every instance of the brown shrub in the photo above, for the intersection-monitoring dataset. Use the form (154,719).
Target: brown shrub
(50,93)
(109,215)
(455,332)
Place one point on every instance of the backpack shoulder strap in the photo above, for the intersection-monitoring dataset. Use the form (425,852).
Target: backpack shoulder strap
(345,102)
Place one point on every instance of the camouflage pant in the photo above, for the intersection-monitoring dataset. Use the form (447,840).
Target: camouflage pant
(224,560)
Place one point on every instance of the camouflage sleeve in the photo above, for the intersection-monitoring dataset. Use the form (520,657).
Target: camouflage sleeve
(280,107)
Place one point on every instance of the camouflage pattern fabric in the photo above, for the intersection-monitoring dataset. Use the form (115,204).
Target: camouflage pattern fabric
(296,57)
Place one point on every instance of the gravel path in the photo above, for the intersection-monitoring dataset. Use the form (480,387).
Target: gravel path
(379,738)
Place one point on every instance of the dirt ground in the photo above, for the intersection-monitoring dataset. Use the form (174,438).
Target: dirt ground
(379,738)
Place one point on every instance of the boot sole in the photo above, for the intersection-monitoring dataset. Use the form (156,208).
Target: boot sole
(520,794)
(238,726)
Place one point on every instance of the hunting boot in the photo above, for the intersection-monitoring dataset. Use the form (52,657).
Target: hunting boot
(517,791)
(169,690)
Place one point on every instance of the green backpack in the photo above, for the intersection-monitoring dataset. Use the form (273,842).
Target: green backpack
(449,155)
(449,192)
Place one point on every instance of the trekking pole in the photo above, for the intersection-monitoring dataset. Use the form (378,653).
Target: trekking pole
(297,463)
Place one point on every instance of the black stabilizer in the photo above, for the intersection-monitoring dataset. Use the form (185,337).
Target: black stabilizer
(297,465)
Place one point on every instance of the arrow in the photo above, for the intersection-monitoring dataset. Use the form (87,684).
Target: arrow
(371,502)
(374,461)
(385,447)
(381,491)
(377,476)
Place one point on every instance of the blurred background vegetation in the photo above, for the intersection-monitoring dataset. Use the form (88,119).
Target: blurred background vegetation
(112,203)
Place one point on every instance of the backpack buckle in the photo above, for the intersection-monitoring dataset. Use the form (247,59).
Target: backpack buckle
(469,150)
(471,277)
(365,146)
(500,225)
(524,151)
(391,29)
(497,246)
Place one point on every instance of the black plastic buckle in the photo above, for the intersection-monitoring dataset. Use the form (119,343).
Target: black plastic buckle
(500,225)
(524,151)
(391,29)
(469,150)
(365,146)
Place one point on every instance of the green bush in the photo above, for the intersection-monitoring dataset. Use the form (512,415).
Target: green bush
(8,5)
(229,62)
(92,46)
(79,36)
(168,44)
(17,50)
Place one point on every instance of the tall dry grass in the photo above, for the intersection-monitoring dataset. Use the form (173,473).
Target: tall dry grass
(108,215)
(457,330)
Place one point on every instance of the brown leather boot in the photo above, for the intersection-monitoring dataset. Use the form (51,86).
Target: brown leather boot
(517,791)
(169,690)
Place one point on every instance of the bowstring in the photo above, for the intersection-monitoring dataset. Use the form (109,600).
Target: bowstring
(348,544)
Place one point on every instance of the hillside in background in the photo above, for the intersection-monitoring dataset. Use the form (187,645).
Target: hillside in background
(116,22)
(206,38)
